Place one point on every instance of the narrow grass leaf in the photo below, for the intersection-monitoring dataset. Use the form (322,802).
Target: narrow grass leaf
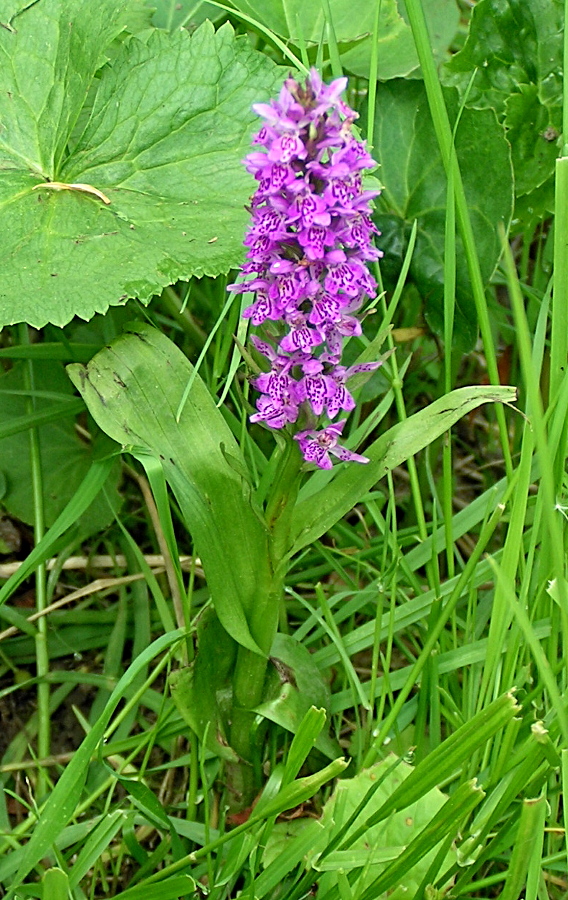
(65,352)
(63,801)
(542,663)
(309,841)
(528,846)
(300,790)
(445,760)
(303,742)
(36,419)
(169,889)
(82,499)
(97,842)
(443,131)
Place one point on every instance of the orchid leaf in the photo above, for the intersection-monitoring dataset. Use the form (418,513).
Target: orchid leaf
(294,686)
(202,691)
(149,189)
(133,390)
(319,512)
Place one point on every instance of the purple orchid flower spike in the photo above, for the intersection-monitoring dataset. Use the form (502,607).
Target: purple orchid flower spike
(308,247)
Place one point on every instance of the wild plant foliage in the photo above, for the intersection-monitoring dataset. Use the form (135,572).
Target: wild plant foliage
(284,311)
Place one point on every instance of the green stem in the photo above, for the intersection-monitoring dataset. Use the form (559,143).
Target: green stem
(559,326)
(281,500)
(42,655)
(444,136)
(250,669)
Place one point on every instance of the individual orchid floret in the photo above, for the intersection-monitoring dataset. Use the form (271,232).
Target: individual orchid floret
(308,246)
(317,445)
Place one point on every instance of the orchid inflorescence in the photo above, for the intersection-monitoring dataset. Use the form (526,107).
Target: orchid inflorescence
(309,243)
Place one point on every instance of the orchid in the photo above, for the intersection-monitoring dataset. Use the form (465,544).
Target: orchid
(309,243)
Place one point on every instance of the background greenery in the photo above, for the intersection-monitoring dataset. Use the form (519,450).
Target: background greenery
(413,735)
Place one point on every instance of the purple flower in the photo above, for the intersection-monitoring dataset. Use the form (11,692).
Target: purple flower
(308,246)
(317,445)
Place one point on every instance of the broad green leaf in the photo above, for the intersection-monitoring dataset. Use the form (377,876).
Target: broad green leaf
(65,458)
(512,61)
(397,51)
(512,42)
(133,390)
(300,21)
(169,125)
(202,692)
(172,14)
(533,131)
(443,826)
(385,841)
(317,514)
(137,17)
(49,53)
(415,189)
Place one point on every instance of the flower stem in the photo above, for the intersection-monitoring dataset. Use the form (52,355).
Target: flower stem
(250,670)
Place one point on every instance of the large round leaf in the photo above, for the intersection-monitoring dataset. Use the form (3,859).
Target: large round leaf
(385,841)
(415,189)
(300,21)
(170,123)
(397,50)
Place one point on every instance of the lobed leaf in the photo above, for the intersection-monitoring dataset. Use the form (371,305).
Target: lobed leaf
(169,125)
(202,692)
(512,42)
(512,61)
(49,53)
